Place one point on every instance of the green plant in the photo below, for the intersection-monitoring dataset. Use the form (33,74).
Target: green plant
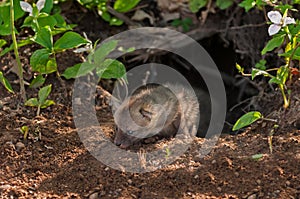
(41,101)
(184,23)
(247,119)
(285,32)
(24,130)
(196,5)
(45,26)
(168,153)
(103,8)
(9,11)
(5,83)
(270,138)
(104,67)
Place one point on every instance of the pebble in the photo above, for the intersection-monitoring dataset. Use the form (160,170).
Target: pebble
(196,176)
(214,162)
(253,196)
(288,183)
(219,189)
(19,146)
(94,195)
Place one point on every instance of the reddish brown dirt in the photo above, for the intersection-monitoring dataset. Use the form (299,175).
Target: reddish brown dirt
(53,163)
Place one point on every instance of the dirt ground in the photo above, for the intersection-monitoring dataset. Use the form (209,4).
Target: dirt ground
(53,162)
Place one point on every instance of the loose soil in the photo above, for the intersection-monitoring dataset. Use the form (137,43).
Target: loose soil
(53,162)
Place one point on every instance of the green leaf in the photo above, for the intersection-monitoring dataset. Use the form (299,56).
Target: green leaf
(275,80)
(51,66)
(115,22)
(32,102)
(247,4)
(69,40)
(288,54)
(224,4)
(43,94)
(256,72)
(18,12)
(125,5)
(257,156)
(283,74)
(37,81)
(5,83)
(261,64)
(246,120)
(39,60)
(239,68)
(104,50)
(44,38)
(60,21)
(111,69)
(2,42)
(283,7)
(78,70)
(47,103)
(11,47)
(47,21)
(48,6)
(105,16)
(196,5)
(273,43)
(176,22)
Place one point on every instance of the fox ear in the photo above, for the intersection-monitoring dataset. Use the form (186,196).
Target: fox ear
(146,114)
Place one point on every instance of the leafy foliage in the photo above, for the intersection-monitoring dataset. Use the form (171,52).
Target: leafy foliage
(184,23)
(41,101)
(246,120)
(105,68)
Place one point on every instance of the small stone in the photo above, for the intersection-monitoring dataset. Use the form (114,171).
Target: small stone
(253,196)
(219,189)
(236,174)
(197,158)
(288,183)
(106,169)
(94,195)
(214,162)
(196,176)
(77,101)
(19,146)
(129,181)
(258,181)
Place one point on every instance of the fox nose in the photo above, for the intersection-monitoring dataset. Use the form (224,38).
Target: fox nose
(116,142)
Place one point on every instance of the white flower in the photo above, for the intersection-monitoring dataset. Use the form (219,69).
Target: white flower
(278,22)
(28,8)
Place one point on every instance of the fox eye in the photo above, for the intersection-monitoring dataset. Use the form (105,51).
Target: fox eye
(129,132)
(146,114)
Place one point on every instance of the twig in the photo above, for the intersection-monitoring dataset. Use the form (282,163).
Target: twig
(247,26)
(242,102)
(121,16)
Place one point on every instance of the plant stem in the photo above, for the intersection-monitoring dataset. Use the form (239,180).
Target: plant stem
(38,110)
(268,119)
(13,35)
(292,55)
(285,100)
